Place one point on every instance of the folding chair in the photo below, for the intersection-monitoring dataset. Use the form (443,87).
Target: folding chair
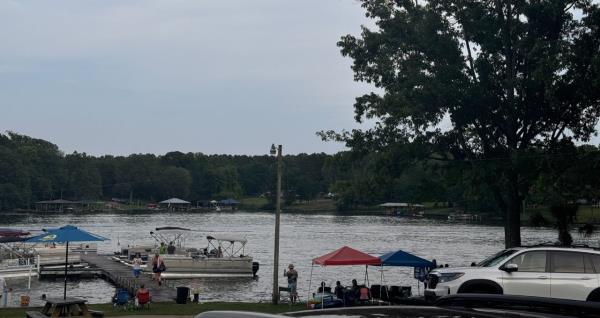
(121,299)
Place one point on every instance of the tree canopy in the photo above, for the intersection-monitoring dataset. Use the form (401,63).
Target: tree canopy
(493,85)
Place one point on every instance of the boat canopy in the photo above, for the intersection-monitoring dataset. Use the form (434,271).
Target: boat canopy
(227,239)
(171,228)
(346,256)
(402,258)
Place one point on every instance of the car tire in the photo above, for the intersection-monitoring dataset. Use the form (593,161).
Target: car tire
(594,296)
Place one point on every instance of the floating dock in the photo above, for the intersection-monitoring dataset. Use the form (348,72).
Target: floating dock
(119,274)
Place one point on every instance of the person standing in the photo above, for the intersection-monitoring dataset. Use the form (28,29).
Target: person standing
(137,265)
(158,266)
(163,248)
(292,277)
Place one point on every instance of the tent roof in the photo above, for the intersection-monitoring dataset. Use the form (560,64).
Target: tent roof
(174,201)
(346,256)
(402,258)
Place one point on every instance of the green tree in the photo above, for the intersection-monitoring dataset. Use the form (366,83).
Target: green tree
(514,78)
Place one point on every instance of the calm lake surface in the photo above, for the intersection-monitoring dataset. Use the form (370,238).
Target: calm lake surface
(303,237)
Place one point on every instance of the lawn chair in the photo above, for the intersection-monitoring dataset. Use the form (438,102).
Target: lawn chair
(364,295)
(121,299)
(143,299)
(285,295)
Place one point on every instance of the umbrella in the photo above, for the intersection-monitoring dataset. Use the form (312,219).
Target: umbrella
(66,234)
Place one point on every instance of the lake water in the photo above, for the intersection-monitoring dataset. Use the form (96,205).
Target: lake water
(303,237)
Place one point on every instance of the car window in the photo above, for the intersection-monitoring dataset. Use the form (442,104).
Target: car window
(595,258)
(587,260)
(567,262)
(496,258)
(534,261)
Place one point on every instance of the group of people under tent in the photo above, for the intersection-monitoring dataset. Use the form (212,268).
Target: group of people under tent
(349,295)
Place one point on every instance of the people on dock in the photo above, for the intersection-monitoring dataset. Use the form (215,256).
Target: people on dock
(171,248)
(163,248)
(137,265)
(292,277)
(158,266)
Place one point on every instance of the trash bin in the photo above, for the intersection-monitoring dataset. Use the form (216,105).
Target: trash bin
(182,294)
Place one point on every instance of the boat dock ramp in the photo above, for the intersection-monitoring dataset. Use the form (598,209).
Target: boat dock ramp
(103,266)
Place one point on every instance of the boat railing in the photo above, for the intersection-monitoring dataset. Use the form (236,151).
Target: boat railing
(12,263)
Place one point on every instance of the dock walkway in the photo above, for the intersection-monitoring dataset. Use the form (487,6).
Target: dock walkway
(121,275)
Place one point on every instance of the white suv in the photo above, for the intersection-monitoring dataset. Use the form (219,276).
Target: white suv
(568,273)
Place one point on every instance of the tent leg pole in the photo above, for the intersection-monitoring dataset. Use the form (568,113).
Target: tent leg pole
(381,285)
(66,265)
(323,293)
(310,281)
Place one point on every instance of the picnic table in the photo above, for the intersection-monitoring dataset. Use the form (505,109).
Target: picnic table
(58,307)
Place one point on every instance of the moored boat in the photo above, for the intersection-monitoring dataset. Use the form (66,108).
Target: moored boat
(223,256)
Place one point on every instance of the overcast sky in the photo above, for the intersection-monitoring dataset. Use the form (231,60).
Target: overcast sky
(121,77)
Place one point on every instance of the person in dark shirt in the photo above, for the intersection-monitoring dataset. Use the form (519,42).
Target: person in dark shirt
(339,290)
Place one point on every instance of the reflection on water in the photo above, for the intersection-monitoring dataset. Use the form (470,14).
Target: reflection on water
(303,237)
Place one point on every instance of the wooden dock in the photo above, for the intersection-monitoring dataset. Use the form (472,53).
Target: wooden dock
(121,276)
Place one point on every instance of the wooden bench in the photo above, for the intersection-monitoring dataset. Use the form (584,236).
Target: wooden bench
(35,314)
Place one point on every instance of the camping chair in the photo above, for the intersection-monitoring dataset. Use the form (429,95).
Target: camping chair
(285,295)
(143,299)
(385,294)
(376,291)
(121,298)
(405,291)
(364,295)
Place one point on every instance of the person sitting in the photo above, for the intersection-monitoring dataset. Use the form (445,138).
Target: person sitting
(339,290)
(143,296)
(321,288)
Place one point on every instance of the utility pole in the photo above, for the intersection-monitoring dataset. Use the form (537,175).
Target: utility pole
(277,220)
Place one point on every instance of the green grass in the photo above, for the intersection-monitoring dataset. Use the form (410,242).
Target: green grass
(170,309)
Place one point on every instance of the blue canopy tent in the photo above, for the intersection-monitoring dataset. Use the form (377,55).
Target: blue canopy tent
(402,258)
(65,234)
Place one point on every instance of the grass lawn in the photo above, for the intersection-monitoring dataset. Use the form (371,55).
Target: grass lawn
(171,309)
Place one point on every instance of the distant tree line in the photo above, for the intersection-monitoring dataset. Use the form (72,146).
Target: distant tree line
(33,169)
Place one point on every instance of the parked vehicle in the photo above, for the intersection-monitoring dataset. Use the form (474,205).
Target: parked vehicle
(543,271)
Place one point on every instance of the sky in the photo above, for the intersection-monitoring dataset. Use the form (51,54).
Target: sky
(152,76)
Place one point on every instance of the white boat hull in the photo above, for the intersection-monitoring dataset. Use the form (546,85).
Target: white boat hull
(179,266)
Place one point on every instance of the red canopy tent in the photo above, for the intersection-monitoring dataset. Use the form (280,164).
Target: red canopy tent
(344,256)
